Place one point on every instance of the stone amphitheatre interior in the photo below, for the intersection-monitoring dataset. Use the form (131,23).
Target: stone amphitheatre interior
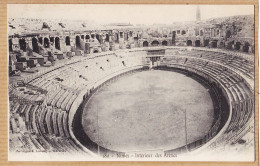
(120,88)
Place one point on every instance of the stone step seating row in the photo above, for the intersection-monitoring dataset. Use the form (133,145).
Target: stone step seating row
(61,98)
(53,122)
(242,65)
(25,94)
(40,130)
(38,143)
(242,108)
(245,67)
(41,81)
(215,70)
(244,131)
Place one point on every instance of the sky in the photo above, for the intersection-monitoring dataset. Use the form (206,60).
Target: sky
(134,14)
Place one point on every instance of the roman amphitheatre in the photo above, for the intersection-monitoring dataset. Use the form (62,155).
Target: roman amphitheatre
(120,88)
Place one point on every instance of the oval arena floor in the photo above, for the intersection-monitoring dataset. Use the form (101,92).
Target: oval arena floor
(146,111)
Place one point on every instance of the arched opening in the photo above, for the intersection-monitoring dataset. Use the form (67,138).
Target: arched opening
(229,45)
(214,44)
(173,37)
(107,37)
(164,43)
(237,45)
(46,43)
(197,43)
(67,41)
(121,34)
(35,45)
(228,34)
(189,43)
(145,44)
(93,36)
(206,43)
(10,42)
(57,43)
(22,44)
(130,34)
(246,47)
(183,32)
(87,37)
(82,37)
(77,42)
(155,43)
(95,51)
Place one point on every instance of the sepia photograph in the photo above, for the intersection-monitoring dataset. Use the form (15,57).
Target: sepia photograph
(131,82)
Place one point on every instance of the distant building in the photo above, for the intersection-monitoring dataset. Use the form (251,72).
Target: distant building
(198,14)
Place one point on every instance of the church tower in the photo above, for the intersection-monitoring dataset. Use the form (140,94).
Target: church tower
(198,14)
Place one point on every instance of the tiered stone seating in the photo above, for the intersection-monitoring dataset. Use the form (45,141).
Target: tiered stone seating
(44,126)
(240,95)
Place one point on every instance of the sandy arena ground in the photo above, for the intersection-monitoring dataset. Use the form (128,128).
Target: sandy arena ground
(145,111)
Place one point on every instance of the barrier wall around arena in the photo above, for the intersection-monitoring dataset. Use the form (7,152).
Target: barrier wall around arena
(75,123)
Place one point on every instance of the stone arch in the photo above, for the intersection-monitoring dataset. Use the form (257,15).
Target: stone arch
(130,33)
(46,42)
(10,42)
(155,43)
(67,41)
(87,37)
(107,38)
(246,47)
(35,46)
(164,43)
(57,43)
(229,45)
(82,37)
(121,34)
(22,44)
(77,40)
(214,44)
(189,43)
(95,51)
(145,44)
(197,43)
(183,32)
(237,45)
